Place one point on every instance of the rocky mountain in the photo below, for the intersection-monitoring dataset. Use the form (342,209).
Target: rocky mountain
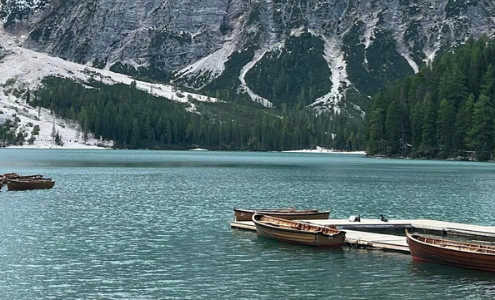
(331,54)
(2,52)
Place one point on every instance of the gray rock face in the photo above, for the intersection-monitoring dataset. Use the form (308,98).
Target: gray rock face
(366,42)
(159,35)
(19,15)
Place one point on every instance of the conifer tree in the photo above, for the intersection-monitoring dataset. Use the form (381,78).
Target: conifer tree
(445,127)
(488,86)
(453,87)
(463,124)
(417,121)
(376,132)
(429,125)
(482,133)
(393,128)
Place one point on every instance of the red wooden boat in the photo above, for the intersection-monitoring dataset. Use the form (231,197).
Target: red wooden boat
(298,232)
(284,213)
(452,253)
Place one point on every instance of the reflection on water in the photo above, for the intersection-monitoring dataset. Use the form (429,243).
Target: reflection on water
(271,244)
(154,225)
(458,281)
(419,268)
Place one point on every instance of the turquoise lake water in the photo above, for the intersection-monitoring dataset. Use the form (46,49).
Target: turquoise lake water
(155,225)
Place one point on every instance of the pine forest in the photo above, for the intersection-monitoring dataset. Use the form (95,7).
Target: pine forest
(444,111)
(136,119)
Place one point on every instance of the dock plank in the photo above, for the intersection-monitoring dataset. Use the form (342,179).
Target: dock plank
(376,240)
(455,228)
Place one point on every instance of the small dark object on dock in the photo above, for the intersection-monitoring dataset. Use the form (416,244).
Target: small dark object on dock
(355,218)
(383,219)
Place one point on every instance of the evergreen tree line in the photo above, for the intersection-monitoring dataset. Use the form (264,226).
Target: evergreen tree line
(8,134)
(446,110)
(136,119)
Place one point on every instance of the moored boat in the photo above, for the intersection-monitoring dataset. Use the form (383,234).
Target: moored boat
(284,213)
(29,184)
(452,253)
(10,176)
(298,232)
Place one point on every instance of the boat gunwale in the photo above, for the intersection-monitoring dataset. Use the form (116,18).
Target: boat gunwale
(299,231)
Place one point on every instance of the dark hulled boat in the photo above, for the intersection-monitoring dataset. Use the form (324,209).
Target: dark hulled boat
(297,232)
(29,184)
(452,253)
(284,213)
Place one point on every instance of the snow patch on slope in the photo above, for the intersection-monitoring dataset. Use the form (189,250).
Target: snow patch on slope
(297,32)
(402,48)
(258,55)
(337,64)
(270,44)
(369,34)
(430,54)
(31,67)
(23,69)
(213,65)
(28,117)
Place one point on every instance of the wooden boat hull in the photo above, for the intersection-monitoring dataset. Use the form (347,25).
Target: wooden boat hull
(13,185)
(247,215)
(449,255)
(296,235)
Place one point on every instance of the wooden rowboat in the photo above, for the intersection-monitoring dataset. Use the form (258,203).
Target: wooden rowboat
(298,232)
(452,253)
(284,213)
(10,176)
(29,184)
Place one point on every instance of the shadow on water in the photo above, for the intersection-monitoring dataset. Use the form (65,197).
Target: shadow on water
(270,245)
(429,270)
(244,234)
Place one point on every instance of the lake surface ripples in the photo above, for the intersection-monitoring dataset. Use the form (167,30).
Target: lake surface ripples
(155,225)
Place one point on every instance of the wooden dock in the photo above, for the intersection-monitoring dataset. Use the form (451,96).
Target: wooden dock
(355,237)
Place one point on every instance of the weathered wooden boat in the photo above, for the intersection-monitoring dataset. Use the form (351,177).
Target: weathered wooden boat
(284,213)
(30,184)
(297,232)
(452,253)
(10,175)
